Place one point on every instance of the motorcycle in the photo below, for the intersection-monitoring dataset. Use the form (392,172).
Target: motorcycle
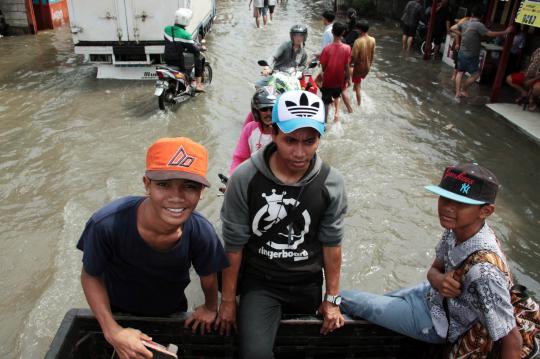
(174,86)
(290,79)
(307,82)
(420,38)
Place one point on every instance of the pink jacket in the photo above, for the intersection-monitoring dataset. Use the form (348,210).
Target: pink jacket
(249,118)
(251,140)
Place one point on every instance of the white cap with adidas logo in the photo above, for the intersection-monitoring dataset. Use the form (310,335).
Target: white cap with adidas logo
(298,109)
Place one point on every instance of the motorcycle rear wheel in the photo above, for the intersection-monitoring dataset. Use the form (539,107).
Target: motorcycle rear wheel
(207,74)
(423,48)
(163,101)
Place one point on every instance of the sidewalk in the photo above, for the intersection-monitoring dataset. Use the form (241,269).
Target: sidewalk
(523,121)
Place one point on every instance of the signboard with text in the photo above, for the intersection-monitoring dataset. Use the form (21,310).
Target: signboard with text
(529,13)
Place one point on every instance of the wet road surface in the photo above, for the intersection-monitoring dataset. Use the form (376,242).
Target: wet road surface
(70,143)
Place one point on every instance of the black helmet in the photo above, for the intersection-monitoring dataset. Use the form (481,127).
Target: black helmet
(263,97)
(299,29)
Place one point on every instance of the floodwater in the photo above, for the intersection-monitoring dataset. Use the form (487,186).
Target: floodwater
(70,143)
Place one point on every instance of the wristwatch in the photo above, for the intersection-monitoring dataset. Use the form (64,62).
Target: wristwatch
(334,299)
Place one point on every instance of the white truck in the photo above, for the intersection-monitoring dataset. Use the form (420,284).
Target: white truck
(124,38)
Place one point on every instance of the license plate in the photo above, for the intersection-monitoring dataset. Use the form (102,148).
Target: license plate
(158,91)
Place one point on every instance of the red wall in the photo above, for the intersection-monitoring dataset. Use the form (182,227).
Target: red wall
(51,14)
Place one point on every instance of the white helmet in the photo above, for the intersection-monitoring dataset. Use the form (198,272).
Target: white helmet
(183,16)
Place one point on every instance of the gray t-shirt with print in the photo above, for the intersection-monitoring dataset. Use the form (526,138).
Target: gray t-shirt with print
(472,32)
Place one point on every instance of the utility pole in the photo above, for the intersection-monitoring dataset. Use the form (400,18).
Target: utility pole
(430,26)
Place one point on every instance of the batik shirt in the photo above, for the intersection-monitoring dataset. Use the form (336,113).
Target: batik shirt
(534,66)
(484,294)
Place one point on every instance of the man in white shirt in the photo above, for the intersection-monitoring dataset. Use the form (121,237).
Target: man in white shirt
(328,19)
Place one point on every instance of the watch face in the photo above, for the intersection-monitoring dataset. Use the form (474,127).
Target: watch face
(333,299)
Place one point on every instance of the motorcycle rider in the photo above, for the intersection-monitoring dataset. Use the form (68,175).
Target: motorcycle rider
(290,53)
(178,40)
(256,133)
(257,128)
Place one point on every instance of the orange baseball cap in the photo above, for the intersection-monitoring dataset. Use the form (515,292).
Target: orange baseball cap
(177,158)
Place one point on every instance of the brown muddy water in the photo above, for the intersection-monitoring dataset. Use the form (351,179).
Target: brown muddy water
(70,143)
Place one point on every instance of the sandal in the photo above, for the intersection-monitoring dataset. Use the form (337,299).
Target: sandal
(521,99)
(531,107)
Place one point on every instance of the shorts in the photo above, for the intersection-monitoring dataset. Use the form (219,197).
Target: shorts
(260,10)
(330,93)
(357,79)
(470,64)
(271,8)
(518,78)
(409,30)
(438,38)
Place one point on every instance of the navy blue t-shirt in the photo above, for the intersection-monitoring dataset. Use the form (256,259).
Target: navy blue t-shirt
(139,279)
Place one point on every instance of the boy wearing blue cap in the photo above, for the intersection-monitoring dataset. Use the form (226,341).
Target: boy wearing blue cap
(283,221)
(445,308)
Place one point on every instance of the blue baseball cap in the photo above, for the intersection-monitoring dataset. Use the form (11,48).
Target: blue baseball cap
(298,109)
(467,183)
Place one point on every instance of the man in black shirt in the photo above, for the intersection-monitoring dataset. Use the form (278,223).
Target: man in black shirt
(282,221)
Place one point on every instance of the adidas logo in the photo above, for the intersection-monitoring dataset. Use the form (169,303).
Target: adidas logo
(303,108)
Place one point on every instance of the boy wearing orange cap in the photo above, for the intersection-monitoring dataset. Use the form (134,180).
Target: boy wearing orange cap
(138,250)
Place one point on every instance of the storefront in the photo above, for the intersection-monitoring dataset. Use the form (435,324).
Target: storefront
(31,16)
(50,14)
(499,56)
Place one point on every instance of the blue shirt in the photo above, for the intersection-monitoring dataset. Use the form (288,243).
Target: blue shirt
(139,279)
(327,37)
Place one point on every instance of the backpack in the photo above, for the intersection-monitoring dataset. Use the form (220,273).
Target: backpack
(476,342)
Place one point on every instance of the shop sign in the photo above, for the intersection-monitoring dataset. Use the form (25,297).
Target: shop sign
(529,13)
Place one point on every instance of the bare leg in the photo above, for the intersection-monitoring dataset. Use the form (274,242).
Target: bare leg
(336,109)
(357,89)
(459,77)
(347,101)
(520,88)
(436,49)
(409,42)
(326,108)
(404,41)
(536,89)
(468,83)
(199,85)
(535,92)
(257,18)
